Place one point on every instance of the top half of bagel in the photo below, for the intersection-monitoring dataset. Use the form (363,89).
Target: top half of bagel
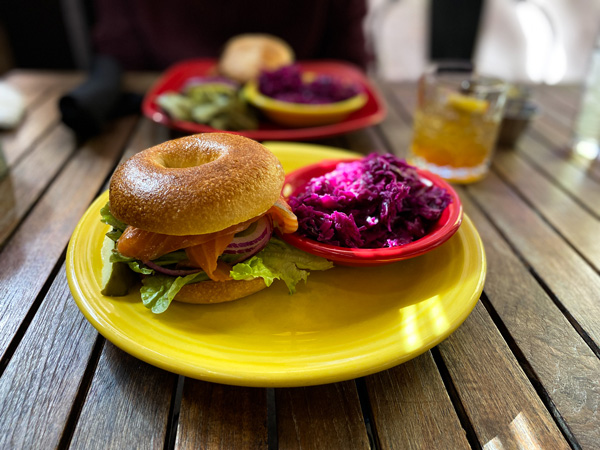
(196,185)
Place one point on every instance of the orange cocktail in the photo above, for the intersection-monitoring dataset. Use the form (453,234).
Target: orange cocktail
(456,126)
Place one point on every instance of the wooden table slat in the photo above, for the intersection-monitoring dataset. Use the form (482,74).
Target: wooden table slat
(562,100)
(146,135)
(569,177)
(127,405)
(365,142)
(573,222)
(31,254)
(39,386)
(25,182)
(412,409)
(560,141)
(215,416)
(503,406)
(567,275)
(405,100)
(560,359)
(558,103)
(547,131)
(395,130)
(316,417)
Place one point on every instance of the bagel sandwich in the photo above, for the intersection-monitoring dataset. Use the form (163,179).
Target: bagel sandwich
(195,218)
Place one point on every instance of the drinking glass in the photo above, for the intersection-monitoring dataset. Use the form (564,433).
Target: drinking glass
(456,122)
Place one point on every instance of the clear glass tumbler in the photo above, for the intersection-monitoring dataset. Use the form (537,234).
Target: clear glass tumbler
(456,122)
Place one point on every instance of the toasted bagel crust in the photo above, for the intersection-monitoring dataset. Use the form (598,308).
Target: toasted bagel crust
(246,55)
(196,185)
(219,291)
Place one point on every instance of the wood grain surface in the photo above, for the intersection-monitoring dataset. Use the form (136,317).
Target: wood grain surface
(571,279)
(317,417)
(521,372)
(574,223)
(572,179)
(503,407)
(46,371)
(549,349)
(34,249)
(127,404)
(215,416)
(412,409)
(29,179)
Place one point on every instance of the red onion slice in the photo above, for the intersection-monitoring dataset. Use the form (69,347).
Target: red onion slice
(252,240)
(171,272)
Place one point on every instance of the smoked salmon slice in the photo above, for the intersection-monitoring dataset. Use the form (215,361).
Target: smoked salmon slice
(147,245)
(283,217)
(205,256)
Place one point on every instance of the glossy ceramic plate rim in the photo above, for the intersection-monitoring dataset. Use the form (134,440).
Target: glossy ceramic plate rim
(152,112)
(452,218)
(262,101)
(348,366)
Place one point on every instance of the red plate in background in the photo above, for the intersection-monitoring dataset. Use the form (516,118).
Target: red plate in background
(175,77)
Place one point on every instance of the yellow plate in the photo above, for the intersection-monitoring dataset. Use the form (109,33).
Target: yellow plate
(344,323)
(302,114)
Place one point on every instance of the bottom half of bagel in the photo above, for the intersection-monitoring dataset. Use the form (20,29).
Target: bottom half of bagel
(219,291)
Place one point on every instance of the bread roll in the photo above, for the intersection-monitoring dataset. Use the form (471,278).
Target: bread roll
(246,55)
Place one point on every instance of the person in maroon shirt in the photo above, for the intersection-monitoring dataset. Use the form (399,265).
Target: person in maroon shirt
(154,34)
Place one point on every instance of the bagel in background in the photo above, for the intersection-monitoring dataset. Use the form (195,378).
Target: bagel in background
(195,216)
(246,55)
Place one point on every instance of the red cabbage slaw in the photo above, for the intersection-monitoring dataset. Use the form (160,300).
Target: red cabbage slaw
(375,202)
(286,84)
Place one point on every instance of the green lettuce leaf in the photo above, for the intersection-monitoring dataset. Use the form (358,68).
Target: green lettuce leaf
(281,261)
(139,267)
(134,264)
(117,226)
(158,291)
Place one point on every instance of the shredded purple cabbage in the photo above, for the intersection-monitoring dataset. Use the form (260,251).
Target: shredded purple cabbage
(286,84)
(378,201)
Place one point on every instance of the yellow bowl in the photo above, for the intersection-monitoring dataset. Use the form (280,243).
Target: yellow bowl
(298,115)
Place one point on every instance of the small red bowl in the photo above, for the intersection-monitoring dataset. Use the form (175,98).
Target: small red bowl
(446,226)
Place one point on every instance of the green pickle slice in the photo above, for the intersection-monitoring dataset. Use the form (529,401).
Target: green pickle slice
(117,277)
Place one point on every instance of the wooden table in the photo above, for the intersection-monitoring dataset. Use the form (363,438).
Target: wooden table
(523,371)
